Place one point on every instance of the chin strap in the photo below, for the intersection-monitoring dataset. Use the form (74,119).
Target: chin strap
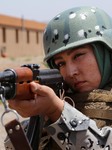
(66,98)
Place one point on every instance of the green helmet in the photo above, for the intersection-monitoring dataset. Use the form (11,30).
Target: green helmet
(75,27)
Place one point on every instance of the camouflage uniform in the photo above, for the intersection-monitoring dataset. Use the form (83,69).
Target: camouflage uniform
(74,130)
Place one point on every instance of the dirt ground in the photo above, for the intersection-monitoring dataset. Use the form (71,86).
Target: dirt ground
(6,63)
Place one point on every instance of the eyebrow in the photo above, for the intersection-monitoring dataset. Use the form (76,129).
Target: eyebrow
(69,52)
(56,58)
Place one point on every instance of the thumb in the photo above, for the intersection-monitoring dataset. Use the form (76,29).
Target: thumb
(39,89)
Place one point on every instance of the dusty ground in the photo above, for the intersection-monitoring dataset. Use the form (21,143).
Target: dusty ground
(16,62)
(6,63)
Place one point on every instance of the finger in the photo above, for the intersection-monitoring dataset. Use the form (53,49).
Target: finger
(17,104)
(40,89)
(24,108)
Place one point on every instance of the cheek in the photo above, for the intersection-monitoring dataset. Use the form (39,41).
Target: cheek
(91,65)
(63,72)
(94,75)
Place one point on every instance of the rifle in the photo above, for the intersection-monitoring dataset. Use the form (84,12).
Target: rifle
(14,84)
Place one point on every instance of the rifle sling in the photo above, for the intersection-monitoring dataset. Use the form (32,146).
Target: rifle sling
(17,135)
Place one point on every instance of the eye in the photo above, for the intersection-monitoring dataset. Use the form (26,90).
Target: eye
(78,55)
(59,64)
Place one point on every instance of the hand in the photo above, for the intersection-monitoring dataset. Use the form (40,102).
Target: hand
(45,103)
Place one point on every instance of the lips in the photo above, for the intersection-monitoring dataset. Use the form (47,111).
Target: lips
(79,84)
(75,84)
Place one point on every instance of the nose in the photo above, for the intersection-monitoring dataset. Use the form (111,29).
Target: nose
(71,70)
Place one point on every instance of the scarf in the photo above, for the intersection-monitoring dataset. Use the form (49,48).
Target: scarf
(104,59)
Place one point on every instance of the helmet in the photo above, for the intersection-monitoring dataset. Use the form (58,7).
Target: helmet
(75,27)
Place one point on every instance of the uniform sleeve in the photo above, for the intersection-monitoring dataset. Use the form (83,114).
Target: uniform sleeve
(75,131)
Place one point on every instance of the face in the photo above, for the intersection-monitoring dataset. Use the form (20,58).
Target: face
(79,68)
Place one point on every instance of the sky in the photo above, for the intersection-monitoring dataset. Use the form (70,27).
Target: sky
(45,10)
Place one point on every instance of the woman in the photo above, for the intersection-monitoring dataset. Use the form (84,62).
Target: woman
(77,42)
